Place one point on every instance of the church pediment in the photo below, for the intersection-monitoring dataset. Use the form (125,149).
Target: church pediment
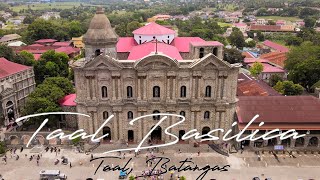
(210,62)
(156,61)
(103,62)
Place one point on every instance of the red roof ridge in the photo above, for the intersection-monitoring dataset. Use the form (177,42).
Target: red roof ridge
(8,68)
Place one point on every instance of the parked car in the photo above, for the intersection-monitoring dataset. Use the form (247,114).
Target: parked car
(256,178)
(52,175)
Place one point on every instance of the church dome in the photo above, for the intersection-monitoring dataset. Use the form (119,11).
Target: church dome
(100,30)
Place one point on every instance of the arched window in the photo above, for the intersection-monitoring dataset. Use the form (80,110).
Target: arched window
(156,117)
(183,91)
(215,51)
(201,54)
(130,115)
(129,92)
(208,91)
(105,115)
(156,91)
(183,113)
(206,115)
(98,52)
(104,91)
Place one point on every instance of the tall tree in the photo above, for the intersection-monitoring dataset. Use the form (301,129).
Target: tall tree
(236,38)
(233,56)
(288,88)
(256,69)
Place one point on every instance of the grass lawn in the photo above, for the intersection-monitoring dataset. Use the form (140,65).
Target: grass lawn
(42,6)
(275,18)
(224,24)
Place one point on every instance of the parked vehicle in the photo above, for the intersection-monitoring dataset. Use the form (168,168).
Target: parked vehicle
(256,178)
(52,175)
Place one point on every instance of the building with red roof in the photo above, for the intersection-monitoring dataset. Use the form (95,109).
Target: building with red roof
(300,113)
(68,104)
(169,44)
(16,83)
(277,58)
(275,46)
(47,42)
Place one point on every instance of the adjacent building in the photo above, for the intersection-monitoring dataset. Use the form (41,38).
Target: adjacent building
(16,82)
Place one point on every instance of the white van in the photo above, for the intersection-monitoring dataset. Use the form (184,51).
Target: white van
(52,175)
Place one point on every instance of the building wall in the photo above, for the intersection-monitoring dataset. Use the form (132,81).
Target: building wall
(16,88)
(161,38)
(142,76)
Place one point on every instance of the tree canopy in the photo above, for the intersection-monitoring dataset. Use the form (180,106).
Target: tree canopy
(256,69)
(288,88)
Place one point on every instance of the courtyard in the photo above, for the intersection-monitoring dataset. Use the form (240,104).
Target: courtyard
(242,166)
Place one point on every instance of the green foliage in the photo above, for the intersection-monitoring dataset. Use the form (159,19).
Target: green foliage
(132,177)
(288,88)
(274,79)
(2,147)
(132,26)
(251,44)
(183,178)
(309,22)
(26,58)
(76,140)
(51,64)
(45,99)
(236,38)
(233,56)
(7,53)
(61,82)
(256,69)
(294,41)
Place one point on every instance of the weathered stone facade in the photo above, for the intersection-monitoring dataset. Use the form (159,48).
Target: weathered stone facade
(14,90)
(201,89)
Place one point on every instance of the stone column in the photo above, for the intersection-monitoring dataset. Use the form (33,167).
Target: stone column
(168,88)
(115,127)
(193,87)
(119,88)
(138,89)
(113,89)
(217,120)
(174,88)
(88,88)
(94,87)
(145,88)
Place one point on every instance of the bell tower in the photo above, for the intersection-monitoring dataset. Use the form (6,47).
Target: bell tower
(100,39)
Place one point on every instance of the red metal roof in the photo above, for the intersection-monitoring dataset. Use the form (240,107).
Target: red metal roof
(153,29)
(138,52)
(36,45)
(37,56)
(248,86)
(252,60)
(125,44)
(68,50)
(8,68)
(183,43)
(68,100)
(279,109)
(61,44)
(275,46)
(275,57)
(247,54)
(268,68)
(46,41)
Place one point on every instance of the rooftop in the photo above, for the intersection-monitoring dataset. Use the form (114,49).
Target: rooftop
(275,57)
(9,37)
(268,68)
(68,100)
(138,52)
(8,68)
(276,46)
(46,41)
(279,109)
(153,29)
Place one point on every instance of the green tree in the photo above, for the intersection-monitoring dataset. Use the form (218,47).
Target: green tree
(51,64)
(274,79)
(132,26)
(233,56)
(251,44)
(256,69)
(40,29)
(7,53)
(26,58)
(288,88)
(309,22)
(236,38)
(63,83)
(294,41)
(28,19)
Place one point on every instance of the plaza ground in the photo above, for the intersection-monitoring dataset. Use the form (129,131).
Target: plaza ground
(243,166)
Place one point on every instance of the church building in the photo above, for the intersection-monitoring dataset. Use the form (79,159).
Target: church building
(155,71)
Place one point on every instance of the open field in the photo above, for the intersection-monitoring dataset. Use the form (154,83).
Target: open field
(275,18)
(224,24)
(42,6)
